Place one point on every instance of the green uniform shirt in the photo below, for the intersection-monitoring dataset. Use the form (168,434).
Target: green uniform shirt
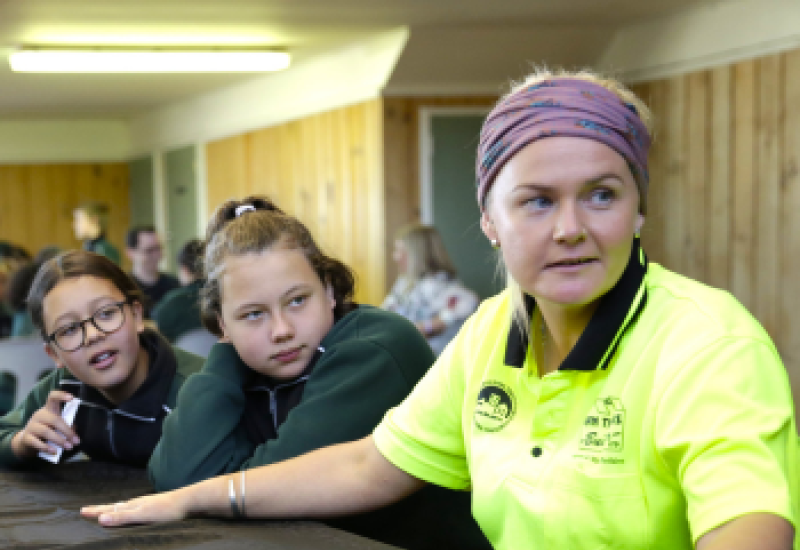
(178,312)
(683,422)
(101,246)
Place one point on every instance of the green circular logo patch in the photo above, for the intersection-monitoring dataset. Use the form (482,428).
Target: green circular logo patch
(495,407)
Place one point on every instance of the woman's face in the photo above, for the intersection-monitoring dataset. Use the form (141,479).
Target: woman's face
(275,310)
(115,364)
(564,210)
(400,255)
(84,226)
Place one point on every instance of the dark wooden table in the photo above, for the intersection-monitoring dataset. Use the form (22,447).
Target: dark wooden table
(39,510)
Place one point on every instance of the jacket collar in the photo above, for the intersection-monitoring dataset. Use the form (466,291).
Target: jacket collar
(615,313)
(262,382)
(147,401)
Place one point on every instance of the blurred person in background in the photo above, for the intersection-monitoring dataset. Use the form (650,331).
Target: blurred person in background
(427,290)
(179,311)
(143,248)
(90,223)
(6,312)
(12,256)
(17,292)
(19,284)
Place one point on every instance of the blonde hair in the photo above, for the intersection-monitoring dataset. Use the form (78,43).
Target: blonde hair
(541,73)
(426,252)
(97,211)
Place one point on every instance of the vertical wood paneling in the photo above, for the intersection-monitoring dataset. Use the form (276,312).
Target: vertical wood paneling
(766,188)
(744,174)
(719,219)
(325,169)
(695,185)
(653,231)
(38,200)
(674,124)
(789,341)
(226,170)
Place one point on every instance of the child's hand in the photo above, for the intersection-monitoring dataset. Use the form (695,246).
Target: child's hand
(46,429)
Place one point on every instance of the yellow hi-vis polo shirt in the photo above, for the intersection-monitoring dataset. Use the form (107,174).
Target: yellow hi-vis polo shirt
(677,422)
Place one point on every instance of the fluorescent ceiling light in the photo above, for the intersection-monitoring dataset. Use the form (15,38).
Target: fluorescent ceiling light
(144,60)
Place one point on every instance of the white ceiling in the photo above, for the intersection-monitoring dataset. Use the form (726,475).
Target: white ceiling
(573,29)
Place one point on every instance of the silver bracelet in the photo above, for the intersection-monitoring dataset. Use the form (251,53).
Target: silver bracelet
(232,497)
(241,488)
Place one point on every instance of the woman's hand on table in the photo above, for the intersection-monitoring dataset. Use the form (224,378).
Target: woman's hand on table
(169,506)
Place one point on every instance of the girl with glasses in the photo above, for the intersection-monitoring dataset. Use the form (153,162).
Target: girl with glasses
(89,313)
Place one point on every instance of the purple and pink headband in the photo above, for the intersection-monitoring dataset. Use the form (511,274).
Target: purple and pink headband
(561,107)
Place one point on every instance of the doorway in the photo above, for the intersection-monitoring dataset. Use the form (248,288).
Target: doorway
(448,142)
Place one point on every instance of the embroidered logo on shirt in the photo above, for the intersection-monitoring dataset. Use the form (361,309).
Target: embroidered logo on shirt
(495,407)
(604,427)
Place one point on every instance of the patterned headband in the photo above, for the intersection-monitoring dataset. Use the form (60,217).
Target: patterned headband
(561,107)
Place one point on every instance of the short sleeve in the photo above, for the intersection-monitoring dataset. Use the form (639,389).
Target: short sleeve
(725,430)
(424,435)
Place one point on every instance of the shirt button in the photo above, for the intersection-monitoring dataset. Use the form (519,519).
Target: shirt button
(536,452)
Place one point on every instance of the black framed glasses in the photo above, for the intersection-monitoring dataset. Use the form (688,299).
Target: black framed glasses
(107,319)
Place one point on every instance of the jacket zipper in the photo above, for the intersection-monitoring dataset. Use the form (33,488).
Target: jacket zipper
(110,429)
(273,397)
(110,422)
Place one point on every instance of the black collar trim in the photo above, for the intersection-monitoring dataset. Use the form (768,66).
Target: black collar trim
(146,402)
(617,311)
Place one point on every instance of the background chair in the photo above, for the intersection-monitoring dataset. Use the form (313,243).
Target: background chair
(26,361)
(198,341)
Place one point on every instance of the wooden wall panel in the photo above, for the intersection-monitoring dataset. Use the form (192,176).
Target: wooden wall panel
(695,184)
(226,171)
(719,174)
(789,333)
(726,166)
(674,176)
(326,169)
(36,202)
(655,95)
(770,94)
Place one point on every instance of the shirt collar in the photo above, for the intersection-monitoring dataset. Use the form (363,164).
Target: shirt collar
(617,310)
(148,399)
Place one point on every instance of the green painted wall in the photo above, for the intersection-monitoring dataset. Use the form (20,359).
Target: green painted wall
(180,188)
(142,191)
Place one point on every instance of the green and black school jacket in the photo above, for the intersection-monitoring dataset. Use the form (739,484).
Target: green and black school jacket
(126,433)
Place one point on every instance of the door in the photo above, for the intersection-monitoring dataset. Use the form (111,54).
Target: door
(448,196)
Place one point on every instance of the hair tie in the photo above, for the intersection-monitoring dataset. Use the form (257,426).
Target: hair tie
(241,209)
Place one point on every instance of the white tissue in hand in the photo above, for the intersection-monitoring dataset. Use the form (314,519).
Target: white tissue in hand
(68,414)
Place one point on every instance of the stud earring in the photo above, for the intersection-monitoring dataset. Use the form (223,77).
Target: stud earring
(495,243)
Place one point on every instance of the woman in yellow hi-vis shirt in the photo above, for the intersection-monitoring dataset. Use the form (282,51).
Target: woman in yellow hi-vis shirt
(599,402)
